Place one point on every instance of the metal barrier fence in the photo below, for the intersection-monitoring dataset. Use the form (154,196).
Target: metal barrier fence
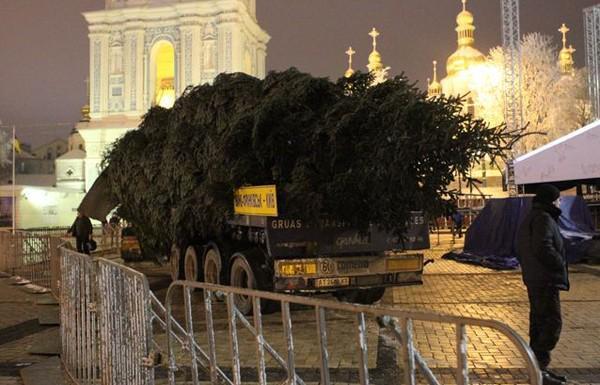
(398,321)
(30,256)
(105,322)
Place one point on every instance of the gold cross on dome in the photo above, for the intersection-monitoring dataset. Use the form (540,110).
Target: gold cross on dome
(350,52)
(464,5)
(564,29)
(374,35)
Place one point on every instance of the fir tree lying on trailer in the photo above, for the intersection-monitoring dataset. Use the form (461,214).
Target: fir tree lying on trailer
(358,153)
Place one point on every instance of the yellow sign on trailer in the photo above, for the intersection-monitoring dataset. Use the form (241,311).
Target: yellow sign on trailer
(256,200)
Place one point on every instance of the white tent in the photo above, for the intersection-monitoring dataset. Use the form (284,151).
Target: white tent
(575,156)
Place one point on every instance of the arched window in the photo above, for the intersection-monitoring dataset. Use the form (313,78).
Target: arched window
(163,71)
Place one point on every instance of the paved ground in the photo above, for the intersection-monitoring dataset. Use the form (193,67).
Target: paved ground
(19,330)
(449,287)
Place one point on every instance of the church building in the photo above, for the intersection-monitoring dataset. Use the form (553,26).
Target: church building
(146,52)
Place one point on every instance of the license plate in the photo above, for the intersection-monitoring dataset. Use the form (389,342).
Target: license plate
(300,268)
(404,264)
(330,282)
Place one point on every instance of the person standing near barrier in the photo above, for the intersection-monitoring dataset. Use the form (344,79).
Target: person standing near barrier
(457,223)
(82,231)
(541,252)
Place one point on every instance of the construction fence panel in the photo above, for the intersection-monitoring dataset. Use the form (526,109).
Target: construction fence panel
(313,340)
(29,256)
(106,325)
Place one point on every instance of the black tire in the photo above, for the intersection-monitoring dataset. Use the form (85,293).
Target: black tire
(213,266)
(177,267)
(247,271)
(241,275)
(361,296)
(192,265)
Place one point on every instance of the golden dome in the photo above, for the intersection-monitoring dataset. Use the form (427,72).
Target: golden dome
(565,57)
(466,55)
(434,88)
(349,72)
(375,63)
(464,18)
(462,59)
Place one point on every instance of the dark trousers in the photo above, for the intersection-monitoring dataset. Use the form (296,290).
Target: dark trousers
(82,245)
(545,322)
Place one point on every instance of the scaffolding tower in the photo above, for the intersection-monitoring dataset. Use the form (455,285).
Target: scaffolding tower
(513,102)
(591,18)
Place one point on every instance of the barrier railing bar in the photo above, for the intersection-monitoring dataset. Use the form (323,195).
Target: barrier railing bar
(187,292)
(212,349)
(289,339)
(408,351)
(233,340)
(462,368)
(322,340)
(260,341)
(363,358)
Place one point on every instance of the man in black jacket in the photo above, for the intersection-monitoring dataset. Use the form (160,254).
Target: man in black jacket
(545,272)
(82,231)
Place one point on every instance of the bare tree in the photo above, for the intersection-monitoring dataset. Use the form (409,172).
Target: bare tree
(553,103)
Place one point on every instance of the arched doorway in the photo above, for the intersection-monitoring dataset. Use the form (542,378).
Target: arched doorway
(162,72)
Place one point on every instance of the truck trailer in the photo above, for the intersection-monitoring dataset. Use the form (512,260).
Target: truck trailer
(266,251)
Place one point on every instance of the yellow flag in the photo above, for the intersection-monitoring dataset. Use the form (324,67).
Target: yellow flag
(17,145)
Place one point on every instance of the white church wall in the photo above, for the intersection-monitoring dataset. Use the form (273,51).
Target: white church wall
(43,206)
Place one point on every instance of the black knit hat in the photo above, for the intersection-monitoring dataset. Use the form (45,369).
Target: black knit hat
(546,193)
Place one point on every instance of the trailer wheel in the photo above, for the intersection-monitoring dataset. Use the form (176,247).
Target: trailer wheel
(361,296)
(247,271)
(242,276)
(212,266)
(176,263)
(192,264)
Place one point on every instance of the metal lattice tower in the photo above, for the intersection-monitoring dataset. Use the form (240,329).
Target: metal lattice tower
(513,102)
(512,64)
(591,18)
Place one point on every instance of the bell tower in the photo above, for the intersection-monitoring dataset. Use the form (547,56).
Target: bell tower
(144,53)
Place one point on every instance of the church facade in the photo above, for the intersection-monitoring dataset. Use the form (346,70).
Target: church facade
(146,52)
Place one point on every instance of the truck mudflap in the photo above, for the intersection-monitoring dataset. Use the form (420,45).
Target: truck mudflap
(325,274)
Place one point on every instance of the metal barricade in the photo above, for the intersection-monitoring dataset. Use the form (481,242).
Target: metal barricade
(106,325)
(78,317)
(125,325)
(400,323)
(29,256)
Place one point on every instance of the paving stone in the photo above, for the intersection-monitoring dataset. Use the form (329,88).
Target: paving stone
(48,371)
(50,345)
(49,315)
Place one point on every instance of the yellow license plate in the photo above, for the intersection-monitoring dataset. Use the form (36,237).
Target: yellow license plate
(330,282)
(404,264)
(292,269)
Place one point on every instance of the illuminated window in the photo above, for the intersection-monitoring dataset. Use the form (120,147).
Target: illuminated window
(163,70)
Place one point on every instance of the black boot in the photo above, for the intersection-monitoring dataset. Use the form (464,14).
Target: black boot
(556,376)
(547,379)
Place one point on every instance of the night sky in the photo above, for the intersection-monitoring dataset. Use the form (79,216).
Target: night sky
(44,45)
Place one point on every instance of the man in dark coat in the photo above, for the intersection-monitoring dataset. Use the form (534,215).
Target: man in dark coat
(545,272)
(82,231)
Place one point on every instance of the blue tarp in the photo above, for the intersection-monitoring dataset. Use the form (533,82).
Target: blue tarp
(491,239)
